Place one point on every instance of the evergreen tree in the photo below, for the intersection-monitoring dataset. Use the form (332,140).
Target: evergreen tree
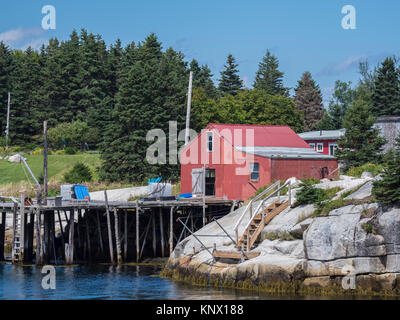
(268,77)
(25,106)
(361,144)
(387,190)
(124,147)
(308,100)
(5,83)
(342,98)
(386,96)
(202,78)
(230,82)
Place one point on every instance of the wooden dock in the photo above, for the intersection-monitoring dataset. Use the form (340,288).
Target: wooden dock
(82,231)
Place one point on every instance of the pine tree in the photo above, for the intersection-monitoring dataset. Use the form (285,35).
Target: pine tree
(361,144)
(268,77)
(230,82)
(387,190)
(386,96)
(124,147)
(308,100)
(25,106)
(343,97)
(202,78)
(5,83)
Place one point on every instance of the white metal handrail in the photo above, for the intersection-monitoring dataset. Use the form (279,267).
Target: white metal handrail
(250,206)
(262,202)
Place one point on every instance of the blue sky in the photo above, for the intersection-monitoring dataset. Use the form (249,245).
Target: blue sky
(304,35)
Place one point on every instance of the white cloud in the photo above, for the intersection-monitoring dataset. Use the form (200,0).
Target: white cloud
(342,66)
(23,37)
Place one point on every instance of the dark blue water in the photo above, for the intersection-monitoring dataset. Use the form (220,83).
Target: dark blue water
(115,282)
(103,282)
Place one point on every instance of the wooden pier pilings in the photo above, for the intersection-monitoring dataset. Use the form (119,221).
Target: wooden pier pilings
(94,231)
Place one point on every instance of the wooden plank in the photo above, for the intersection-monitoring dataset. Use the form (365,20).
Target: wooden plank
(110,243)
(62,232)
(234,254)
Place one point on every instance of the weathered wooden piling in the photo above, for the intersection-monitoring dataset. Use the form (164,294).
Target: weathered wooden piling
(110,242)
(2,234)
(117,239)
(69,249)
(99,232)
(162,233)
(137,233)
(171,230)
(154,233)
(89,250)
(125,235)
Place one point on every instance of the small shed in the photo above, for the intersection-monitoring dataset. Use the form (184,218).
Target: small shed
(232,161)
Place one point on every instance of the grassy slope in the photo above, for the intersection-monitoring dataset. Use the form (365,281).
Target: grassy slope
(57,166)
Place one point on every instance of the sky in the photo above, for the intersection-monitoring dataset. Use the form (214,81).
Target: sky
(305,35)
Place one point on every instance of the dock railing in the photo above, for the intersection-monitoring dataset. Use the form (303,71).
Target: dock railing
(249,207)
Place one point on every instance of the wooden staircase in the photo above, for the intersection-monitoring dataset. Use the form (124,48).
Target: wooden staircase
(258,223)
(252,232)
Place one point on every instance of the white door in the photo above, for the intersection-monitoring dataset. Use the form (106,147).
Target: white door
(197,181)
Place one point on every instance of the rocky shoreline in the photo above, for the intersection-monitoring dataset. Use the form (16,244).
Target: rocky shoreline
(354,249)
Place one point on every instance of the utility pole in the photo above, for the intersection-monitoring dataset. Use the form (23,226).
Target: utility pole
(8,119)
(189,102)
(45,162)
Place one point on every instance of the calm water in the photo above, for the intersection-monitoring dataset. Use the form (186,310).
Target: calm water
(109,282)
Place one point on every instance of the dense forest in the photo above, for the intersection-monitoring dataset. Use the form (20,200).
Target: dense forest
(108,98)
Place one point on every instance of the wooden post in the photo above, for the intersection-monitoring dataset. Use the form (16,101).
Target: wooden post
(38,256)
(30,234)
(117,240)
(23,225)
(109,229)
(162,233)
(137,233)
(62,233)
(70,247)
(154,234)
(99,231)
(2,235)
(45,162)
(126,236)
(171,230)
(89,251)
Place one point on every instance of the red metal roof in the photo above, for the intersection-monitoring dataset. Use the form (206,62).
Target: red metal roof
(264,135)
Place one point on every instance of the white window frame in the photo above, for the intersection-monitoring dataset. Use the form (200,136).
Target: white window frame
(253,171)
(335,145)
(210,134)
(312,145)
(319,144)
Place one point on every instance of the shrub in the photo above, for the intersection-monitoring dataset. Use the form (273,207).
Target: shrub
(37,151)
(369,167)
(78,174)
(69,150)
(308,194)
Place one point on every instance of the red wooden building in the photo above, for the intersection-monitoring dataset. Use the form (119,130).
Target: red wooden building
(323,141)
(238,159)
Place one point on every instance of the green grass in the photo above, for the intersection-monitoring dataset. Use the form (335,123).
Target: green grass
(57,166)
(356,172)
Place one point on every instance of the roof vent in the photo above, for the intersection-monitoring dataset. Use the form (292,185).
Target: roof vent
(320,132)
